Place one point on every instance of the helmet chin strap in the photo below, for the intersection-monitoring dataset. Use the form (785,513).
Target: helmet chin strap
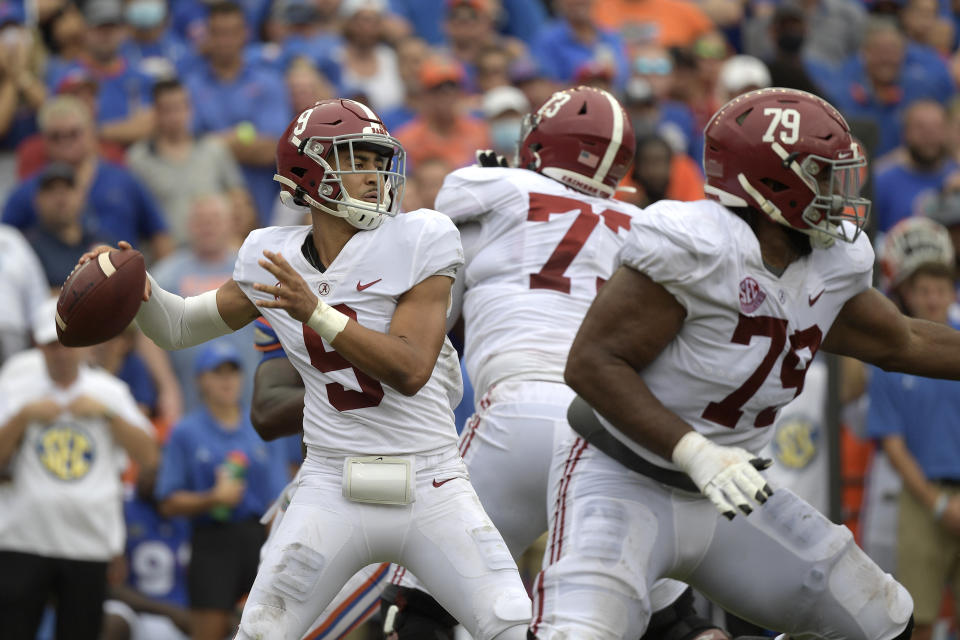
(819,238)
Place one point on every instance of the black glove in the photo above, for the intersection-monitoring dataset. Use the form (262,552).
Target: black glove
(490,158)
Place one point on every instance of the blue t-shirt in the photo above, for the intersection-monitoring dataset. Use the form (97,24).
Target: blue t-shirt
(925,412)
(168,47)
(522,18)
(900,192)
(134,372)
(560,54)
(257,96)
(158,552)
(118,206)
(199,445)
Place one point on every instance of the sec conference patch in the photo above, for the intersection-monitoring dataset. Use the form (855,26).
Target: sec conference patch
(66,451)
(796,441)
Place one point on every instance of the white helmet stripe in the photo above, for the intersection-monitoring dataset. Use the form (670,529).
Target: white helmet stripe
(616,139)
(367,110)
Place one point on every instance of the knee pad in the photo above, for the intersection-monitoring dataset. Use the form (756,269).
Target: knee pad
(419,615)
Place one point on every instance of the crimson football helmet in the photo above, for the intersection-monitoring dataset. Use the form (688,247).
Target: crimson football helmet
(309,166)
(789,154)
(581,137)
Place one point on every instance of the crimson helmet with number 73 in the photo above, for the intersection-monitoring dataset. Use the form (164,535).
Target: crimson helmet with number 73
(790,155)
(581,137)
(318,149)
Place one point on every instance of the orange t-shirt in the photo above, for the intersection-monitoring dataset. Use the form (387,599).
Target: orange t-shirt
(677,23)
(456,147)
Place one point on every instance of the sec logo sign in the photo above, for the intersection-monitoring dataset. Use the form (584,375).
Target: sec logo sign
(66,451)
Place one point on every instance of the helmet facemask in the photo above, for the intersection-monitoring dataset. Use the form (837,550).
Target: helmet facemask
(837,185)
(337,156)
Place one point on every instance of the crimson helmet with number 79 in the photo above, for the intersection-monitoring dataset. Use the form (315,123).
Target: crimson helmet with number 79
(790,155)
(317,150)
(580,137)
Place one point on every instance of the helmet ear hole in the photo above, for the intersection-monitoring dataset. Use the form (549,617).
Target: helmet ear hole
(298,171)
(774,185)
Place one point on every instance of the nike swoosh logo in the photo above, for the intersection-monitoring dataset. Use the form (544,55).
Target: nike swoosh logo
(813,299)
(442,482)
(361,287)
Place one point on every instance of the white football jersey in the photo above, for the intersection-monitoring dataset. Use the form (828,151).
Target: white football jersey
(748,336)
(544,250)
(346,411)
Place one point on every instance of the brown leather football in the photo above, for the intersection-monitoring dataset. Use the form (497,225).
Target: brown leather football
(100,299)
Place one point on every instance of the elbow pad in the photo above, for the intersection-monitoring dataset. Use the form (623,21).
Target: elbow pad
(175,323)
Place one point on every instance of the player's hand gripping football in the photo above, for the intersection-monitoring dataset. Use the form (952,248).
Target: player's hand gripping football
(291,293)
(729,476)
(103,248)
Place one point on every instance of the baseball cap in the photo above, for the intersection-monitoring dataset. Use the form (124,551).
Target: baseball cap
(502,99)
(945,209)
(11,13)
(76,78)
(45,322)
(215,354)
(437,71)
(349,8)
(479,7)
(744,72)
(638,92)
(103,12)
(56,171)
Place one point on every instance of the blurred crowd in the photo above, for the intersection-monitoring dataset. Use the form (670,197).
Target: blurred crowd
(156,122)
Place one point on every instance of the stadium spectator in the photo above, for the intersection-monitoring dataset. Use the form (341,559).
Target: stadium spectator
(518,18)
(32,154)
(246,106)
(424,184)
(887,75)
(740,74)
(669,23)
(659,172)
(786,63)
(66,431)
(306,85)
(23,287)
(152,48)
(116,203)
(917,170)
(219,473)
(564,45)
(945,209)
(206,263)
(177,167)
(369,66)
(504,108)
(151,602)
(469,25)
(411,53)
(442,129)
(66,39)
(526,75)
(915,418)
(835,30)
(923,25)
(304,34)
(59,237)
(493,68)
(21,89)
(124,112)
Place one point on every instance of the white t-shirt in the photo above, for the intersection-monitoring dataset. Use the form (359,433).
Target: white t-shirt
(347,412)
(23,285)
(543,251)
(748,335)
(65,499)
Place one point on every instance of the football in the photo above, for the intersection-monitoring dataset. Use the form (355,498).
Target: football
(101,298)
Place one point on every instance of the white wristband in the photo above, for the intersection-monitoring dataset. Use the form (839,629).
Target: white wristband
(327,321)
(940,506)
(687,448)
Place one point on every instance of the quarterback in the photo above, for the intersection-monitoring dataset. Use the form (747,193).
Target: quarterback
(704,332)
(359,301)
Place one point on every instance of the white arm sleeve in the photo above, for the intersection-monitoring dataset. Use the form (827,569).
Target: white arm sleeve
(174,323)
